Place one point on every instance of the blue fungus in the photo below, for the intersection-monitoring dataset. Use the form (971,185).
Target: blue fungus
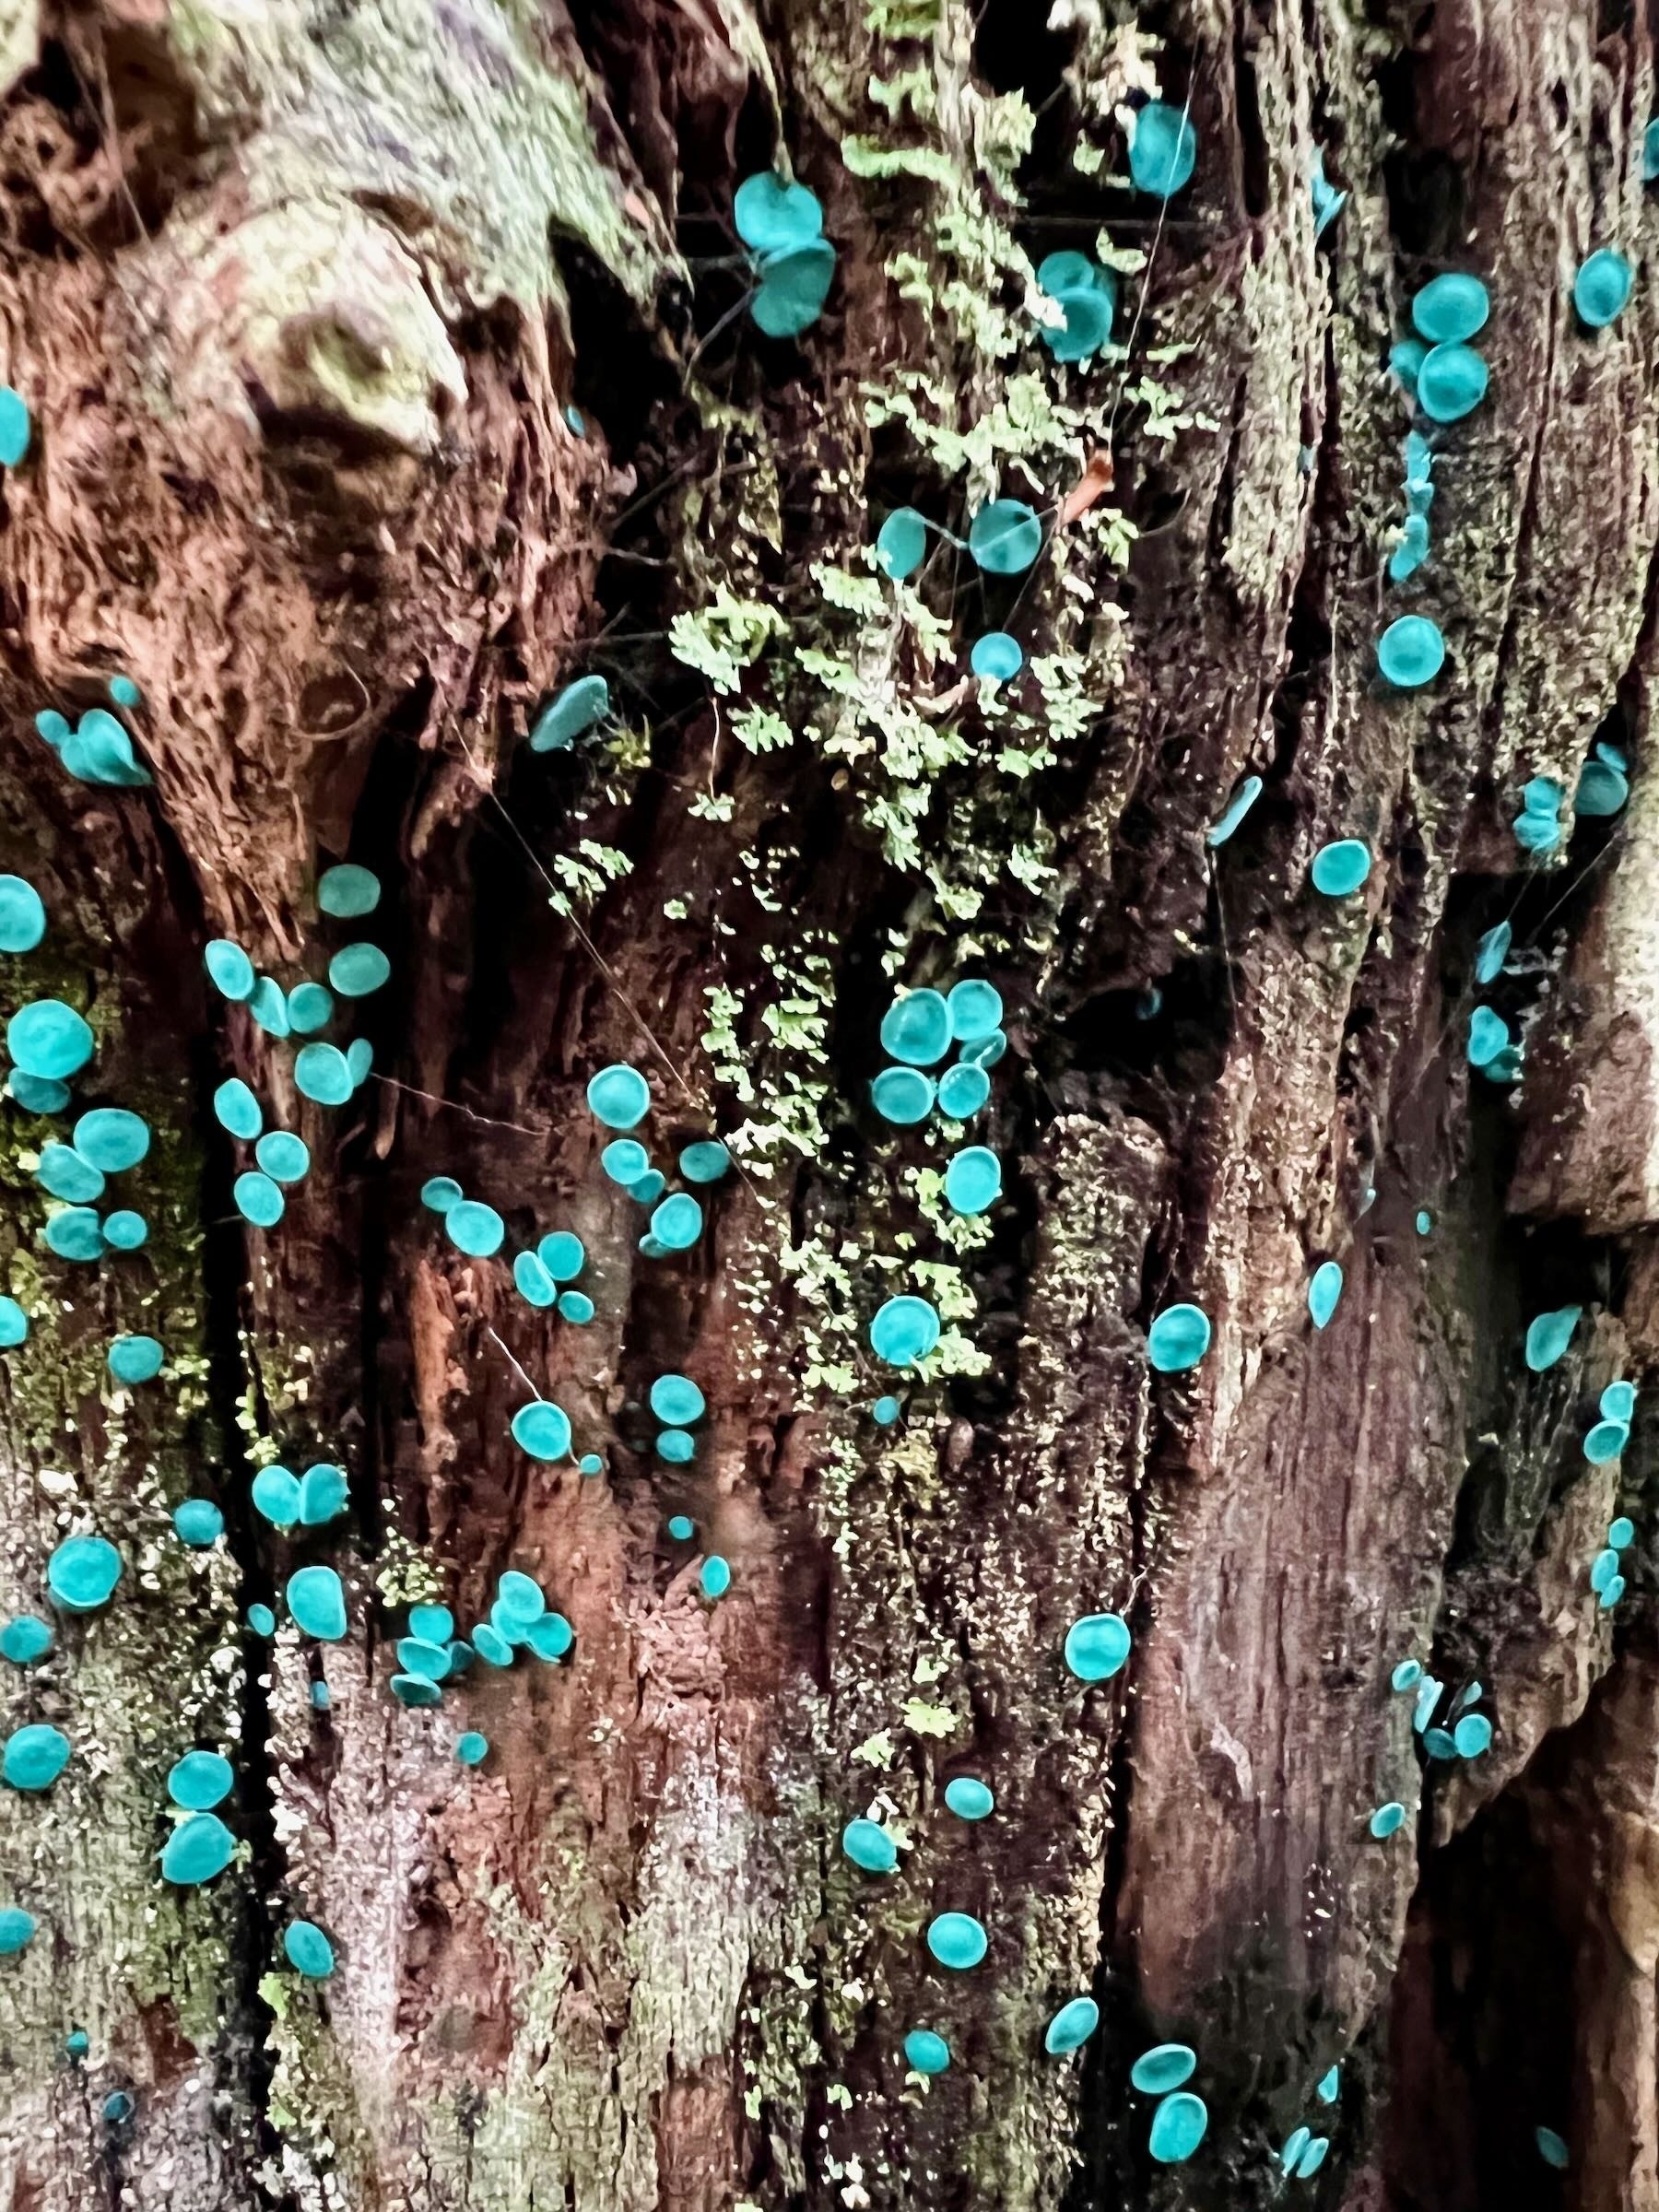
(975,1008)
(903,1096)
(1489,1036)
(1452,382)
(324,1494)
(1621,1533)
(348,891)
(34,1756)
(1411,551)
(963,1090)
(651,1250)
(884,1412)
(649,1187)
(1295,2144)
(322,1072)
(1602,289)
(533,1282)
(308,1951)
(677,1223)
(98,750)
(37,1094)
(1612,1593)
(24,1639)
(22,915)
(1097,1646)
(552,1636)
(968,1798)
(1163,2068)
(1439,1743)
(1323,1290)
(1005,537)
(677,1400)
(1329,2086)
(197,1849)
(973,1180)
(436,1624)
(1071,2027)
(677,1446)
(1178,2128)
(16,1928)
(117,2106)
(771,214)
(13,1324)
(229,969)
(681,1527)
(472,1748)
(491,1646)
(794,283)
(1237,807)
(1407,1676)
(1411,652)
(1650,157)
(135,1359)
(1551,2148)
(198,1522)
(869,1845)
(200,1780)
(1602,791)
(268,1006)
(543,1429)
(1472,1695)
(715,1578)
(1425,1222)
(317,1603)
(985,1051)
(66,1174)
(78,2043)
(283,1157)
(262,1620)
(618,1096)
(1387,1819)
(1313,2158)
(624,1161)
(1606,1442)
(1178,1339)
(439,1192)
(1450,308)
(1617,1402)
(258,1199)
(15,427)
(310,1009)
(125,1231)
(237,1110)
(276,1496)
(51,727)
(997,657)
(415,1689)
(1472,1735)
(1339,869)
(925,2052)
(576,1307)
(82,1574)
(1491,952)
(356,971)
(956,1939)
(320,1696)
(421,1657)
(74,1234)
(475,1229)
(571,714)
(1405,362)
(916,1028)
(1085,312)
(1163,150)
(1549,1337)
(124,693)
(902,542)
(112,1138)
(360,1059)
(1427,1698)
(520,1596)
(705,1162)
(49,1039)
(904,1330)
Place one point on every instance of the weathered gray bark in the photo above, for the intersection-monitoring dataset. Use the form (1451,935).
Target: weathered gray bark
(299,297)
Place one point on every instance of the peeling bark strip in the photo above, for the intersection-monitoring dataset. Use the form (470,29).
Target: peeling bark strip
(391,367)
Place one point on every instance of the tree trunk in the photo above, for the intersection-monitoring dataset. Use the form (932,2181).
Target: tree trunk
(391,367)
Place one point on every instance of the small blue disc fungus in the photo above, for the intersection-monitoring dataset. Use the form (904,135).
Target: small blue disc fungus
(973,1180)
(1339,869)
(1549,1337)
(1602,1569)
(1313,2158)
(794,283)
(1411,652)
(24,1639)
(82,1574)
(1238,807)
(705,1162)
(904,1330)
(1602,791)
(1601,290)
(325,1494)
(356,971)
(956,1939)
(415,1690)
(229,969)
(13,1324)
(903,1096)
(74,1234)
(997,657)
(66,1174)
(533,1282)
(1450,308)
(916,1028)
(1097,1646)
(200,1780)
(125,1231)
(308,1951)
(1163,150)
(968,1798)
(1407,1676)
(618,1096)
(258,1199)
(552,1636)
(926,2052)
(1071,2027)
(15,428)
(1329,2086)
(475,1229)
(1005,537)
(715,1578)
(884,1412)
(575,1307)
(22,915)
(1491,952)
(317,1603)
(491,1646)
(1178,2128)
(869,1845)
(678,1401)
(1621,1533)
(37,1094)
(1551,2148)
(677,1223)
(770,213)
(975,1008)
(49,1039)
(571,715)
(112,1138)
(276,1495)
(198,1849)
(562,1254)
(472,1748)
(235,1109)
(262,1620)
(1489,1036)
(677,1446)
(349,893)
(135,1359)
(267,1003)
(16,1928)
(963,1090)
(283,1157)
(900,543)
(1606,1442)
(322,1072)
(439,1192)
(34,1756)
(681,1527)
(1612,1593)
(1452,382)
(1472,1735)
(1165,2068)
(1325,1288)
(1178,1339)
(542,1429)
(1387,1819)
(310,1009)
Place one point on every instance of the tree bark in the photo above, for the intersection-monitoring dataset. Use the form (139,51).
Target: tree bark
(390,368)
